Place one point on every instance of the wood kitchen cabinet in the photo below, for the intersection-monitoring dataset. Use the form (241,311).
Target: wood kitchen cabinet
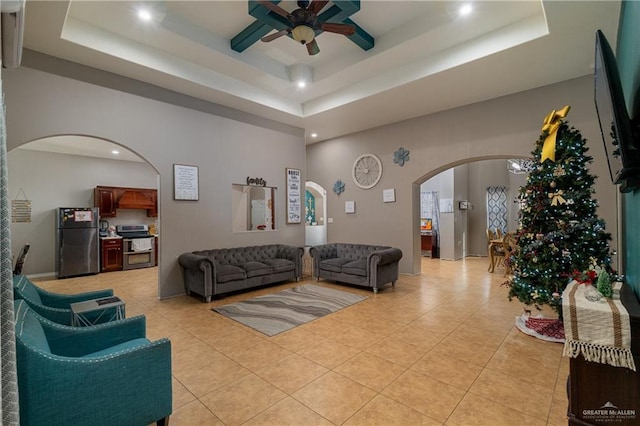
(111,250)
(105,199)
(111,198)
(429,242)
(600,394)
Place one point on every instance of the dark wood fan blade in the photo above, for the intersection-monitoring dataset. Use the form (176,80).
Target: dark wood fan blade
(274,8)
(275,35)
(316,6)
(338,28)
(312,47)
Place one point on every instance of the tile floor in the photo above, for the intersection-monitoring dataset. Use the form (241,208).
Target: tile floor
(439,349)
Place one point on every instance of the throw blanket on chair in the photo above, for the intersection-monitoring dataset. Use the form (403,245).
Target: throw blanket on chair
(600,330)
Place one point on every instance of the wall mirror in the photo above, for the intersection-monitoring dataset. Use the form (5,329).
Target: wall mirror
(253,208)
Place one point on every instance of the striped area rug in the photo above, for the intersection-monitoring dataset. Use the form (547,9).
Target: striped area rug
(272,314)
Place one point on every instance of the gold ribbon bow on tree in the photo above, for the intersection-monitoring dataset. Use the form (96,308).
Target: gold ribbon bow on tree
(556,198)
(551,125)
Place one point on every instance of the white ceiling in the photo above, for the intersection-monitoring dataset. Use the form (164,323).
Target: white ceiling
(426,58)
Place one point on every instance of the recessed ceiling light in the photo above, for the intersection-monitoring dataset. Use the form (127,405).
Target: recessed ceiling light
(302,84)
(465,9)
(144,15)
(314,135)
(115,152)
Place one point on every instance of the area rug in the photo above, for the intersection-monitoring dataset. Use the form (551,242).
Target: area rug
(549,329)
(272,314)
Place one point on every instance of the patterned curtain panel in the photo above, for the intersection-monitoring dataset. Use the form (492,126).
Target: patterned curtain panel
(497,208)
(9,381)
(430,208)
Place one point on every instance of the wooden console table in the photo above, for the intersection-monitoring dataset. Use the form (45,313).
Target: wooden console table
(429,242)
(600,394)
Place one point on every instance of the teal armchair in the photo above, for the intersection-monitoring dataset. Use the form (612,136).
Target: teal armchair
(54,306)
(106,374)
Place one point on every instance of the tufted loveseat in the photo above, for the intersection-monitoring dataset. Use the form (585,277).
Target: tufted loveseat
(360,264)
(213,272)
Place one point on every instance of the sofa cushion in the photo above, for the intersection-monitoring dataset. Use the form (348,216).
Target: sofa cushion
(335,264)
(228,273)
(356,267)
(280,265)
(255,269)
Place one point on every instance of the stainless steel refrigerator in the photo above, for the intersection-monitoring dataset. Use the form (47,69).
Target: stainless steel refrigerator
(77,241)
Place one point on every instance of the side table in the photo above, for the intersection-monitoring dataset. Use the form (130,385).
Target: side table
(91,312)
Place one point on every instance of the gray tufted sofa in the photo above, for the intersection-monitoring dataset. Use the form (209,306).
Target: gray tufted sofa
(360,264)
(213,272)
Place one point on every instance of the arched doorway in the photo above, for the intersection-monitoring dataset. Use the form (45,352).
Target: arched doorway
(62,171)
(315,214)
(461,193)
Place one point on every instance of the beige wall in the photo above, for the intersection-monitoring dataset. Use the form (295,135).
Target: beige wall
(40,104)
(500,128)
(228,150)
(53,180)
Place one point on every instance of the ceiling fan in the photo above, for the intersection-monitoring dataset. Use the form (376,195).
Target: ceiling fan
(304,23)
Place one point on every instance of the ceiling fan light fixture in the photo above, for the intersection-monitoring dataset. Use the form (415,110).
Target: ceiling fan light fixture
(303,34)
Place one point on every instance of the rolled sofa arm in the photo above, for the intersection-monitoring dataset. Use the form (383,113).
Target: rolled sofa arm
(293,254)
(383,267)
(320,253)
(199,274)
(193,261)
(386,256)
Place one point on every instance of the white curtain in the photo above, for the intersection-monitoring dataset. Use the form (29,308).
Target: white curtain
(430,208)
(9,409)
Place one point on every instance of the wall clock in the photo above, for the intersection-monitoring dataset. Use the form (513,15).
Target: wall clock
(367,171)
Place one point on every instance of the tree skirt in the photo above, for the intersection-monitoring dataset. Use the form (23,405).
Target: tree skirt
(549,329)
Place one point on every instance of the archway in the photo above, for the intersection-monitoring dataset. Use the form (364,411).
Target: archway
(315,214)
(62,171)
(462,228)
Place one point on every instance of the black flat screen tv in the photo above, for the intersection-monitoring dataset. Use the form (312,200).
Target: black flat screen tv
(619,133)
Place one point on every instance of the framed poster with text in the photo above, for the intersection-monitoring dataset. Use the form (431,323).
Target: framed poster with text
(185,182)
(294,196)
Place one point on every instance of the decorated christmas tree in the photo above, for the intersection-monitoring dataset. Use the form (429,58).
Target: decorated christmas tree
(559,235)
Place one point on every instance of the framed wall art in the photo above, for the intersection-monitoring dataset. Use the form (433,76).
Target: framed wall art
(389,195)
(185,182)
(350,207)
(294,196)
